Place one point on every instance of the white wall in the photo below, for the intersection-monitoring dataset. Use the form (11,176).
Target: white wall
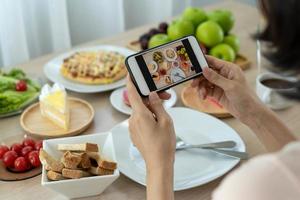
(31,28)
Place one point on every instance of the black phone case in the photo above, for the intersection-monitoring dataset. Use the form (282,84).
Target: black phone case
(157,47)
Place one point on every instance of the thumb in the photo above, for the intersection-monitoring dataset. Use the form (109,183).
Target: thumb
(215,78)
(156,105)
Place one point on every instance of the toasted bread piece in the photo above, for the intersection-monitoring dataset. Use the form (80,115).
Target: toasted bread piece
(49,161)
(100,171)
(95,156)
(78,147)
(54,176)
(85,161)
(71,160)
(105,164)
(74,173)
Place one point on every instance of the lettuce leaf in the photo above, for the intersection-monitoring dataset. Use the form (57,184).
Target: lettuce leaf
(12,100)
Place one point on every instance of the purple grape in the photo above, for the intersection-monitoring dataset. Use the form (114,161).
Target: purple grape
(153,31)
(145,36)
(163,26)
(144,44)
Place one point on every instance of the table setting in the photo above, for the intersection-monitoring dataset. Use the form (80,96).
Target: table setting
(80,110)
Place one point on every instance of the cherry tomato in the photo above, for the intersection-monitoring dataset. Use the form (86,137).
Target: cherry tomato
(3,150)
(9,158)
(33,158)
(17,147)
(21,85)
(39,145)
(26,151)
(21,164)
(29,142)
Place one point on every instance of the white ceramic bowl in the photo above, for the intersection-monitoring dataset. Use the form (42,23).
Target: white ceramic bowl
(87,186)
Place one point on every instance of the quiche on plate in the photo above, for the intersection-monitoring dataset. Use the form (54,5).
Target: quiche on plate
(94,67)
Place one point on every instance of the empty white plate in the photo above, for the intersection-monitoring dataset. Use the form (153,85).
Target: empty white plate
(52,71)
(116,100)
(193,167)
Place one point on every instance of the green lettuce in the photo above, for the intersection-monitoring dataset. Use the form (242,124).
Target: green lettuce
(12,100)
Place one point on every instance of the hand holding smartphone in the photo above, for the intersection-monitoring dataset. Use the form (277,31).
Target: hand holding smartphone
(167,65)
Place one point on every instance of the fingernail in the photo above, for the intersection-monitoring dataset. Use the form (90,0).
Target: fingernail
(153,97)
(206,71)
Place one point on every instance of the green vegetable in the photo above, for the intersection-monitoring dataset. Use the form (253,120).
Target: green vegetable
(12,100)
(7,83)
(17,74)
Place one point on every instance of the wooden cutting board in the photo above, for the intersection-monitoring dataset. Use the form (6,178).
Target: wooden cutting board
(81,116)
(190,98)
(240,60)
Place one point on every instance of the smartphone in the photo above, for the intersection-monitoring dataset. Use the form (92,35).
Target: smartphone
(167,65)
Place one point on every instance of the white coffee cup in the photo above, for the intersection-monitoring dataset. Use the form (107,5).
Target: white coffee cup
(270,96)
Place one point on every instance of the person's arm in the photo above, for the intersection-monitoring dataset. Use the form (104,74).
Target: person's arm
(152,132)
(160,183)
(226,83)
(273,133)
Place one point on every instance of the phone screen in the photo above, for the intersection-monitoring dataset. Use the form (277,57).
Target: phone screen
(168,65)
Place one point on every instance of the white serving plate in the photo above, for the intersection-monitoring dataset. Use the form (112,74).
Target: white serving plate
(116,100)
(52,71)
(87,186)
(193,167)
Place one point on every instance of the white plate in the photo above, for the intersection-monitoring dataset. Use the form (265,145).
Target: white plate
(116,100)
(52,71)
(168,58)
(193,167)
(155,67)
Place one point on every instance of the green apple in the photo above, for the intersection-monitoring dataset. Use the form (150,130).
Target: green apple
(223,51)
(209,33)
(158,39)
(180,28)
(195,15)
(224,18)
(232,41)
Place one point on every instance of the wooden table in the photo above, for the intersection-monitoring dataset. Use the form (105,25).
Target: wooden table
(107,117)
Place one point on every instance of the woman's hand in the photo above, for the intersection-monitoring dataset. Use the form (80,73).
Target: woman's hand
(152,132)
(151,129)
(226,83)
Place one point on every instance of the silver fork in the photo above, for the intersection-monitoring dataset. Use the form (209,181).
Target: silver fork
(180,145)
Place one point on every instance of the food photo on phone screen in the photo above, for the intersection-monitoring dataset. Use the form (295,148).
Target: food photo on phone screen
(168,65)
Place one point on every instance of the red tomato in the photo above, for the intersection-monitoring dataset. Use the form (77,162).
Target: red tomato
(26,151)
(33,158)
(9,158)
(21,85)
(29,142)
(21,164)
(17,147)
(39,145)
(3,150)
